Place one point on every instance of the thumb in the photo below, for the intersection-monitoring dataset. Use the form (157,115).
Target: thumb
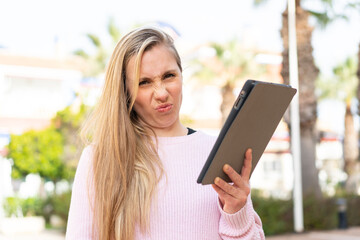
(222,202)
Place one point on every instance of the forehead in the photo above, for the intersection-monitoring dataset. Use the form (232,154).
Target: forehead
(157,60)
(154,61)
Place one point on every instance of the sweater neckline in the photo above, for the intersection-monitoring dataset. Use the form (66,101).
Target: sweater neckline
(179,139)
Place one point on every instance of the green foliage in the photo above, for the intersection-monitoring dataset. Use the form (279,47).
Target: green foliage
(61,204)
(113,30)
(327,13)
(32,206)
(219,49)
(323,18)
(343,84)
(186,120)
(94,39)
(352,212)
(70,119)
(37,152)
(345,74)
(97,62)
(54,152)
(15,206)
(57,204)
(355,5)
(230,64)
(68,122)
(276,215)
(319,214)
(81,53)
(12,207)
(259,2)
(203,73)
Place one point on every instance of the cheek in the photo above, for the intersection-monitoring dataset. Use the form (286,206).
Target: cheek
(141,101)
(176,89)
(180,93)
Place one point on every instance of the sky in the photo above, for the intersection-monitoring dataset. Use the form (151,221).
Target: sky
(32,26)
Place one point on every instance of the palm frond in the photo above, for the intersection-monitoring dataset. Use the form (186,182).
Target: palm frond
(94,39)
(113,30)
(355,5)
(81,53)
(218,49)
(259,2)
(322,18)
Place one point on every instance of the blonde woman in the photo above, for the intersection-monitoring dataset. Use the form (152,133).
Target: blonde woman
(137,177)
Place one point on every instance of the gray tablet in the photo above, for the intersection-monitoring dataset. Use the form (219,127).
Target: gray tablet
(251,123)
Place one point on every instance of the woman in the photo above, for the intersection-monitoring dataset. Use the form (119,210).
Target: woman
(137,178)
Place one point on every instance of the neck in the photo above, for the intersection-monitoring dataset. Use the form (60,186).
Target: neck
(175,131)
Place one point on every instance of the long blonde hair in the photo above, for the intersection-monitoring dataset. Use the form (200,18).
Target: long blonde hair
(126,166)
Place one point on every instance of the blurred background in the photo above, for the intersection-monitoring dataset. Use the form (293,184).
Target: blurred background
(53,55)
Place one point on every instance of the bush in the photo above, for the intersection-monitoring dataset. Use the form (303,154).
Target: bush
(57,204)
(61,205)
(32,206)
(12,207)
(353,212)
(319,214)
(18,207)
(276,215)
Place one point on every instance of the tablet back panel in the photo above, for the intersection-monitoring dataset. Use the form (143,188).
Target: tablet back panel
(252,127)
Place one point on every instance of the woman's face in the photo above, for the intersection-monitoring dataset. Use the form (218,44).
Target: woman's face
(159,94)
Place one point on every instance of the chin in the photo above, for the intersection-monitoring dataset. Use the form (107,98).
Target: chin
(165,125)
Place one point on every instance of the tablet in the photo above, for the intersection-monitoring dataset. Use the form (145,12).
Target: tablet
(251,123)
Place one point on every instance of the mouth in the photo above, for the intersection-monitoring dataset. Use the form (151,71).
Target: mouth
(164,108)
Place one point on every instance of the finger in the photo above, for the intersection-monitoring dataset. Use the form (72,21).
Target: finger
(246,169)
(233,175)
(223,195)
(220,193)
(236,178)
(227,188)
(230,204)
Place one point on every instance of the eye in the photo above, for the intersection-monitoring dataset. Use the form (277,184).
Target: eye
(143,82)
(169,75)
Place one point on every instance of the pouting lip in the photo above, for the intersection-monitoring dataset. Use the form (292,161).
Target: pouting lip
(162,106)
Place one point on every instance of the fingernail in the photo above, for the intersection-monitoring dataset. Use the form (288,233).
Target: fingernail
(226,167)
(217,180)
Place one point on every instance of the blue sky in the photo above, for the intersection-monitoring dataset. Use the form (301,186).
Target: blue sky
(31,26)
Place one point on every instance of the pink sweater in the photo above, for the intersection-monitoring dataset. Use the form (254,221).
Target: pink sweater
(185,209)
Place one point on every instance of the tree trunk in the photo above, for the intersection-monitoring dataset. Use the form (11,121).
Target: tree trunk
(355,177)
(42,192)
(308,73)
(358,75)
(351,151)
(228,100)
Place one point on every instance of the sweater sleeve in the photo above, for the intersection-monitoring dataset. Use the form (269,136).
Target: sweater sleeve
(242,225)
(79,224)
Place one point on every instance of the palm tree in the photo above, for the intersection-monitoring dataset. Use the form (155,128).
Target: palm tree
(358,75)
(98,61)
(343,87)
(229,65)
(308,73)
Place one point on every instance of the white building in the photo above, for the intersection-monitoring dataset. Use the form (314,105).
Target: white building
(32,90)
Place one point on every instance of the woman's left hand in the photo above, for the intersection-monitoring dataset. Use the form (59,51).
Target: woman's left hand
(233,196)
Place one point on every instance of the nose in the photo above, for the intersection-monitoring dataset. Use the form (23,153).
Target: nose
(160,92)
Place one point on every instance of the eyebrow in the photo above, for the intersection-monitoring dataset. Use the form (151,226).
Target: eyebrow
(162,75)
